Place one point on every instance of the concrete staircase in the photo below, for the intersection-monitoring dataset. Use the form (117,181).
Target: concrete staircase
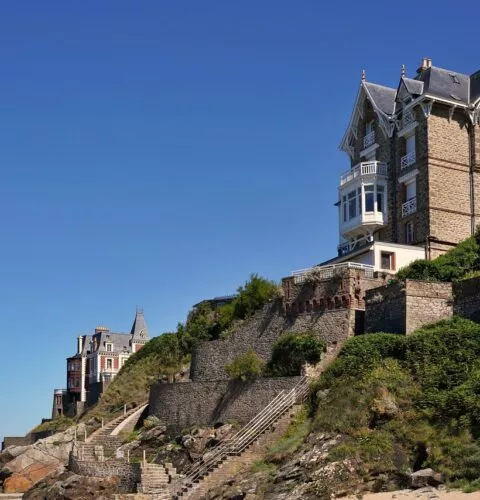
(234,454)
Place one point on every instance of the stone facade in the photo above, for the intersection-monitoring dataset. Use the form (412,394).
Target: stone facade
(128,474)
(208,403)
(467,299)
(405,307)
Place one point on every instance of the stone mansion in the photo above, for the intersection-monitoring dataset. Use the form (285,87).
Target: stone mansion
(99,357)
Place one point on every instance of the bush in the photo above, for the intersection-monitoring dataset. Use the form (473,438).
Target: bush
(253,296)
(245,367)
(454,265)
(292,351)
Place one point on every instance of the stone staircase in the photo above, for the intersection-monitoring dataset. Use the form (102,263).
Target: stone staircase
(230,456)
(102,444)
(155,482)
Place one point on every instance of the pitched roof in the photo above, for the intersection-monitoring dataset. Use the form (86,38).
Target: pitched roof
(475,87)
(383,97)
(415,87)
(120,341)
(446,84)
(139,329)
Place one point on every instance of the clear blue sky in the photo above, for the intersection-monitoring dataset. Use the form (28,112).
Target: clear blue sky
(156,153)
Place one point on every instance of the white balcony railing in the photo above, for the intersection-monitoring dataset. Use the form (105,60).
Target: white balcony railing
(408,159)
(364,168)
(369,139)
(409,207)
(327,272)
(408,118)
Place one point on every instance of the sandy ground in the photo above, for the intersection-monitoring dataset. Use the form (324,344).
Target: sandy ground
(422,493)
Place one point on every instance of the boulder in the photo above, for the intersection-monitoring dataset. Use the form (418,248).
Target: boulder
(426,477)
(33,463)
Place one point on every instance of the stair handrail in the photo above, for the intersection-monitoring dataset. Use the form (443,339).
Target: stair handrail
(226,443)
(249,433)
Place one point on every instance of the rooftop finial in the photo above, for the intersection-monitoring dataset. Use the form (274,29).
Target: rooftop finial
(403,70)
(363,75)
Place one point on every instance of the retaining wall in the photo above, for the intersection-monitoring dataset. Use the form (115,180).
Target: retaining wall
(207,403)
(129,474)
(467,299)
(260,333)
(404,307)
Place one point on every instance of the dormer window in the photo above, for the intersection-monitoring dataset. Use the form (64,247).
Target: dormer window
(109,347)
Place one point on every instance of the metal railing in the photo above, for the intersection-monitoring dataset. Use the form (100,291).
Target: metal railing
(408,159)
(245,437)
(408,118)
(364,168)
(409,207)
(349,246)
(369,139)
(327,272)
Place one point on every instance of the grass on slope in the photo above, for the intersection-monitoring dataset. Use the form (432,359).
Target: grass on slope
(159,356)
(406,403)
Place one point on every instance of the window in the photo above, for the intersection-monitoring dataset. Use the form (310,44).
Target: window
(109,347)
(352,205)
(369,127)
(410,144)
(380,198)
(411,190)
(109,364)
(344,209)
(409,234)
(369,193)
(387,260)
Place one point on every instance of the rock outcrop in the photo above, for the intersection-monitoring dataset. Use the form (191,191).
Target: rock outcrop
(24,466)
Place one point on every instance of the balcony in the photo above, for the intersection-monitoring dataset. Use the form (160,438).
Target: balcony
(409,207)
(362,169)
(328,272)
(407,160)
(369,139)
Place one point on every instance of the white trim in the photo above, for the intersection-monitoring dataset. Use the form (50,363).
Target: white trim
(408,177)
(369,150)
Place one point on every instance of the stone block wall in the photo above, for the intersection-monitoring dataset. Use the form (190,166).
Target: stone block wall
(402,308)
(385,309)
(261,332)
(129,474)
(467,299)
(207,403)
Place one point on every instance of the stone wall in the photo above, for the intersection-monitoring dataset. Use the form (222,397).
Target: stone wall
(427,303)
(385,309)
(260,333)
(129,474)
(467,299)
(206,403)
(402,308)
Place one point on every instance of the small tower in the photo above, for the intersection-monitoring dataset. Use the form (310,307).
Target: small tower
(139,331)
(59,397)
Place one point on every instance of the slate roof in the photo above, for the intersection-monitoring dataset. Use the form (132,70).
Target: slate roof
(475,87)
(383,97)
(415,87)
(446,84)
(120,341)
(139,329)
(435,82)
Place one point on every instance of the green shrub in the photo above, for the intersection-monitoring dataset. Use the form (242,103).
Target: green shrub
(254,295)
(245,367)
(454,265)
(292,351)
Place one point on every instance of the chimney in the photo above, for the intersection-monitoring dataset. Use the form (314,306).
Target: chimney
(426,63)
(80,344)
